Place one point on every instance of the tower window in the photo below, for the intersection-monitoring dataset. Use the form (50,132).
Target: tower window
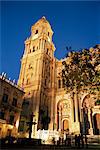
(30,51)
(33,48)
(36,32)
(47,51)
(59,83)
(48,34)
(30,66)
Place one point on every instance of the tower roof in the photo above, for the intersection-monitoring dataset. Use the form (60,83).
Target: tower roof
(42,22)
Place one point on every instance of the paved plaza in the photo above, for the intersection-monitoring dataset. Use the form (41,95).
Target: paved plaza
(51,147)
(34,144)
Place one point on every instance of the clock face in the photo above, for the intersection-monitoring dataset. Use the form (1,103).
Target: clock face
(34,36)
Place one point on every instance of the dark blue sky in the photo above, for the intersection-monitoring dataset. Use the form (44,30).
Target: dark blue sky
(75,24)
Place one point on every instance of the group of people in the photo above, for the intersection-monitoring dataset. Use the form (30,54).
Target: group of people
(80,141)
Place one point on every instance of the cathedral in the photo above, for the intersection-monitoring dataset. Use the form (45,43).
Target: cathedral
(45,97)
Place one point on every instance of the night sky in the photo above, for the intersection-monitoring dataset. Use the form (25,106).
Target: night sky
(75,24)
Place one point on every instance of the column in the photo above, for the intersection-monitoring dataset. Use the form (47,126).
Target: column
(37,71)
(89,118)
(56,120)
(40,67)
(60,121)
(41,44)
(76,106)
(35,68)
(72,109)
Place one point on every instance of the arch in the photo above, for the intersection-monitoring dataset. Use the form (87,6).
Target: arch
(63,100)
(59,83)
(63,113)
(85,100)
(83,97)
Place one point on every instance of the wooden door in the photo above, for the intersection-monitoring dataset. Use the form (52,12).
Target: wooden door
(65,125)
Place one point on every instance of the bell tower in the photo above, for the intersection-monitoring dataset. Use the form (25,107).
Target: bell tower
(37,72)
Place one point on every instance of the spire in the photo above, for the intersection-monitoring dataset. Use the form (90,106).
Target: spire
(44,17)
(42,22)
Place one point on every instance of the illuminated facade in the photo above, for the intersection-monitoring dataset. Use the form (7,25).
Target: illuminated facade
(11,99)
(45,96)
(76,112)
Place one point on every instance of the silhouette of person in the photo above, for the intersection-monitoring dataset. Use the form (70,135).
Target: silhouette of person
(75,140)
(82,141)
(86,141)
(78,141)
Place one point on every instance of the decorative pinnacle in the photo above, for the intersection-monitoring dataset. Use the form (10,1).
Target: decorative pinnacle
(44,17)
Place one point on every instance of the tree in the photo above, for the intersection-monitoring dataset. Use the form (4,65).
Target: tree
(82,70)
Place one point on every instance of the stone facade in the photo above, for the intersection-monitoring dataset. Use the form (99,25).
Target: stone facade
(70,106)
(44,89)
(11,99)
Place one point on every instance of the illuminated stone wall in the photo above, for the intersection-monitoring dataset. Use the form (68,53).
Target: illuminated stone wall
(40,76)
(69,106)
(11,98)
(37,72)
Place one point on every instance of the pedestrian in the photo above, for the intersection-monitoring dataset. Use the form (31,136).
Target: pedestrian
(53,140)
(75,140)
(78,141)
(59,140)
(82,140)
(86,141)
(69,141)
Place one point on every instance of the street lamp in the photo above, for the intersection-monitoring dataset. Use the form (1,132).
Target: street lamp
(30,123)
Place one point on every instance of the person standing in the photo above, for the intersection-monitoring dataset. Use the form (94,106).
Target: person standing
(75,140)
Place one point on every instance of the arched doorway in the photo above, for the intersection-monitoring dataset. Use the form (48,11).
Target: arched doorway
(96,123)
(63,111)
(65,125)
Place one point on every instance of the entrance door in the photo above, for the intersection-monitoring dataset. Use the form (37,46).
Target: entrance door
(65,125)
(96,119)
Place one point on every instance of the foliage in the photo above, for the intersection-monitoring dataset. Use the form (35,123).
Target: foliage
(82,69)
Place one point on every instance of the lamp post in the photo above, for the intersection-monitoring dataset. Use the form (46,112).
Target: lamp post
(30,123)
